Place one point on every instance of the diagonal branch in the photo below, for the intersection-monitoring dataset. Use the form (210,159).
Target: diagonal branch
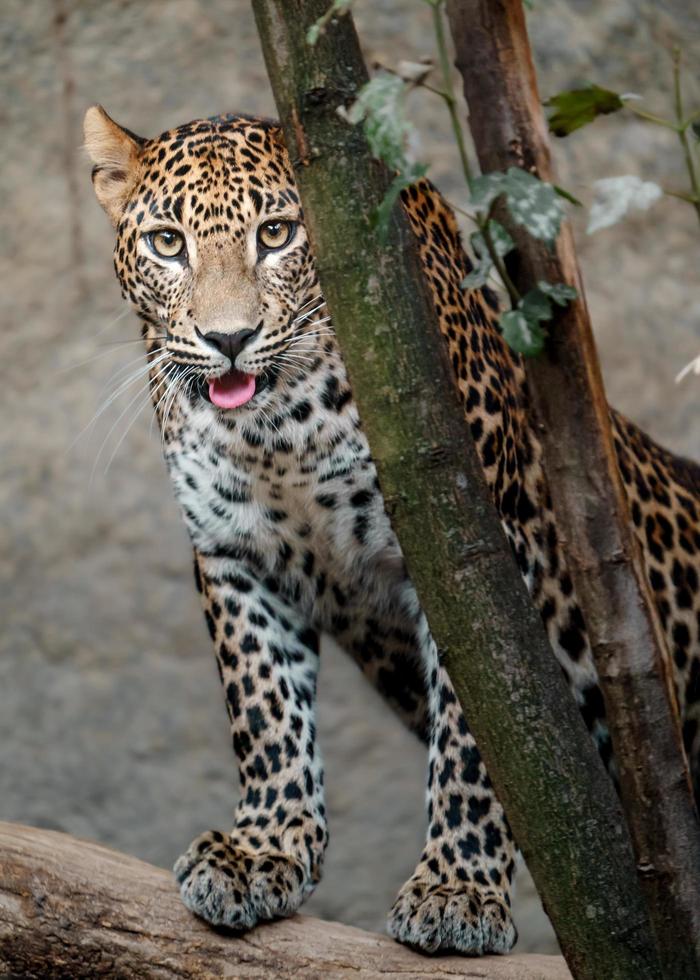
(606,564)
(559,801)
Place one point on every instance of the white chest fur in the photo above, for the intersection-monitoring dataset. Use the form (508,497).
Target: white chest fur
(293,514)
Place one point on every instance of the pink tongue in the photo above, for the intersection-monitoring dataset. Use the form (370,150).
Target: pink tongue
(232,389)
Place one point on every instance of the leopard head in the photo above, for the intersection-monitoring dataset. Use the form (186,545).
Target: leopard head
(211,248)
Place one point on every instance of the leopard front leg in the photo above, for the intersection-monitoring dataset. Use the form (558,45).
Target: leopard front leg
(268,659)
(458,897)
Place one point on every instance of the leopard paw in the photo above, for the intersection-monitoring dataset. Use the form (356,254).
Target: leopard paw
(228,886)
(462,917)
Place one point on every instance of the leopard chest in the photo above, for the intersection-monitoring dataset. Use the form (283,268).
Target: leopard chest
(311,523)
(235,505)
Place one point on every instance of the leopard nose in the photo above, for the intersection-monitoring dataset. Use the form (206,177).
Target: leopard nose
(229,344)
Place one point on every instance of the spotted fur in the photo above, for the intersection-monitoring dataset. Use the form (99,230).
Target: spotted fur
(291,538)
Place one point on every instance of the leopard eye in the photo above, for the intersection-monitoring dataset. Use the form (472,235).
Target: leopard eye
(273,235)
(166,243)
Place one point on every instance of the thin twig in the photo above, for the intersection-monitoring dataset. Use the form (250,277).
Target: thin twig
(682,128)
(500,265)
(651,117)
(447,94)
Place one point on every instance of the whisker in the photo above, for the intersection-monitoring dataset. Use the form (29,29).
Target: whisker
(116,422)
(298,365)
(176,391)
(162,383)
(189,376)
(295,338)
(89,360)
(313,351)
(169,382)
(113,322)
(295,341)
(300,315)
(310,335)
(145,362)
(129,426)
(285,373)
(190,385)
(269,420)
(138,340)
(314,323)
(144,369)
(172,393)
(305,322)
(103,408)
(302,354)
(125,432)
(295,357)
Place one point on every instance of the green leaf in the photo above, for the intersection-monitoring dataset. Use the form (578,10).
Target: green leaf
(336,9)
(580,106)
(485,190)
(500,239)
(558,292)
(380,107)
(522,334)
(696,129)
(482,270)
(533,204)
(313,34)
(522,328)
(479,275)
(502,243)
(536,306)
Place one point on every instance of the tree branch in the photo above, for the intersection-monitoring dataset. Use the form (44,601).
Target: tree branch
(560,803)
(590,503)
(73,909)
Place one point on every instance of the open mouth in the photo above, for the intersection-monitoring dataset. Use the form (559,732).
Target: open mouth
(232,390)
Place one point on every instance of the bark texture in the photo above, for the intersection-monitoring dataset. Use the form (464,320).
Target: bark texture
(561,805)
(73,910)
(593,522)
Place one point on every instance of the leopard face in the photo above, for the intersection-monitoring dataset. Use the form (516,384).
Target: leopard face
(211,249)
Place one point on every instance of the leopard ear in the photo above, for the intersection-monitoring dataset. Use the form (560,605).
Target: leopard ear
(115,153)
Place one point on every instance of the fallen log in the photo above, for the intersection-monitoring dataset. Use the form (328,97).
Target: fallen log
(74,910)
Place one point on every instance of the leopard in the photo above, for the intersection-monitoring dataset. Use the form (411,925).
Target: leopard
(279,492)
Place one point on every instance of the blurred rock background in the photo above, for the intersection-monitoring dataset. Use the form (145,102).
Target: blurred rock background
(112,724)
